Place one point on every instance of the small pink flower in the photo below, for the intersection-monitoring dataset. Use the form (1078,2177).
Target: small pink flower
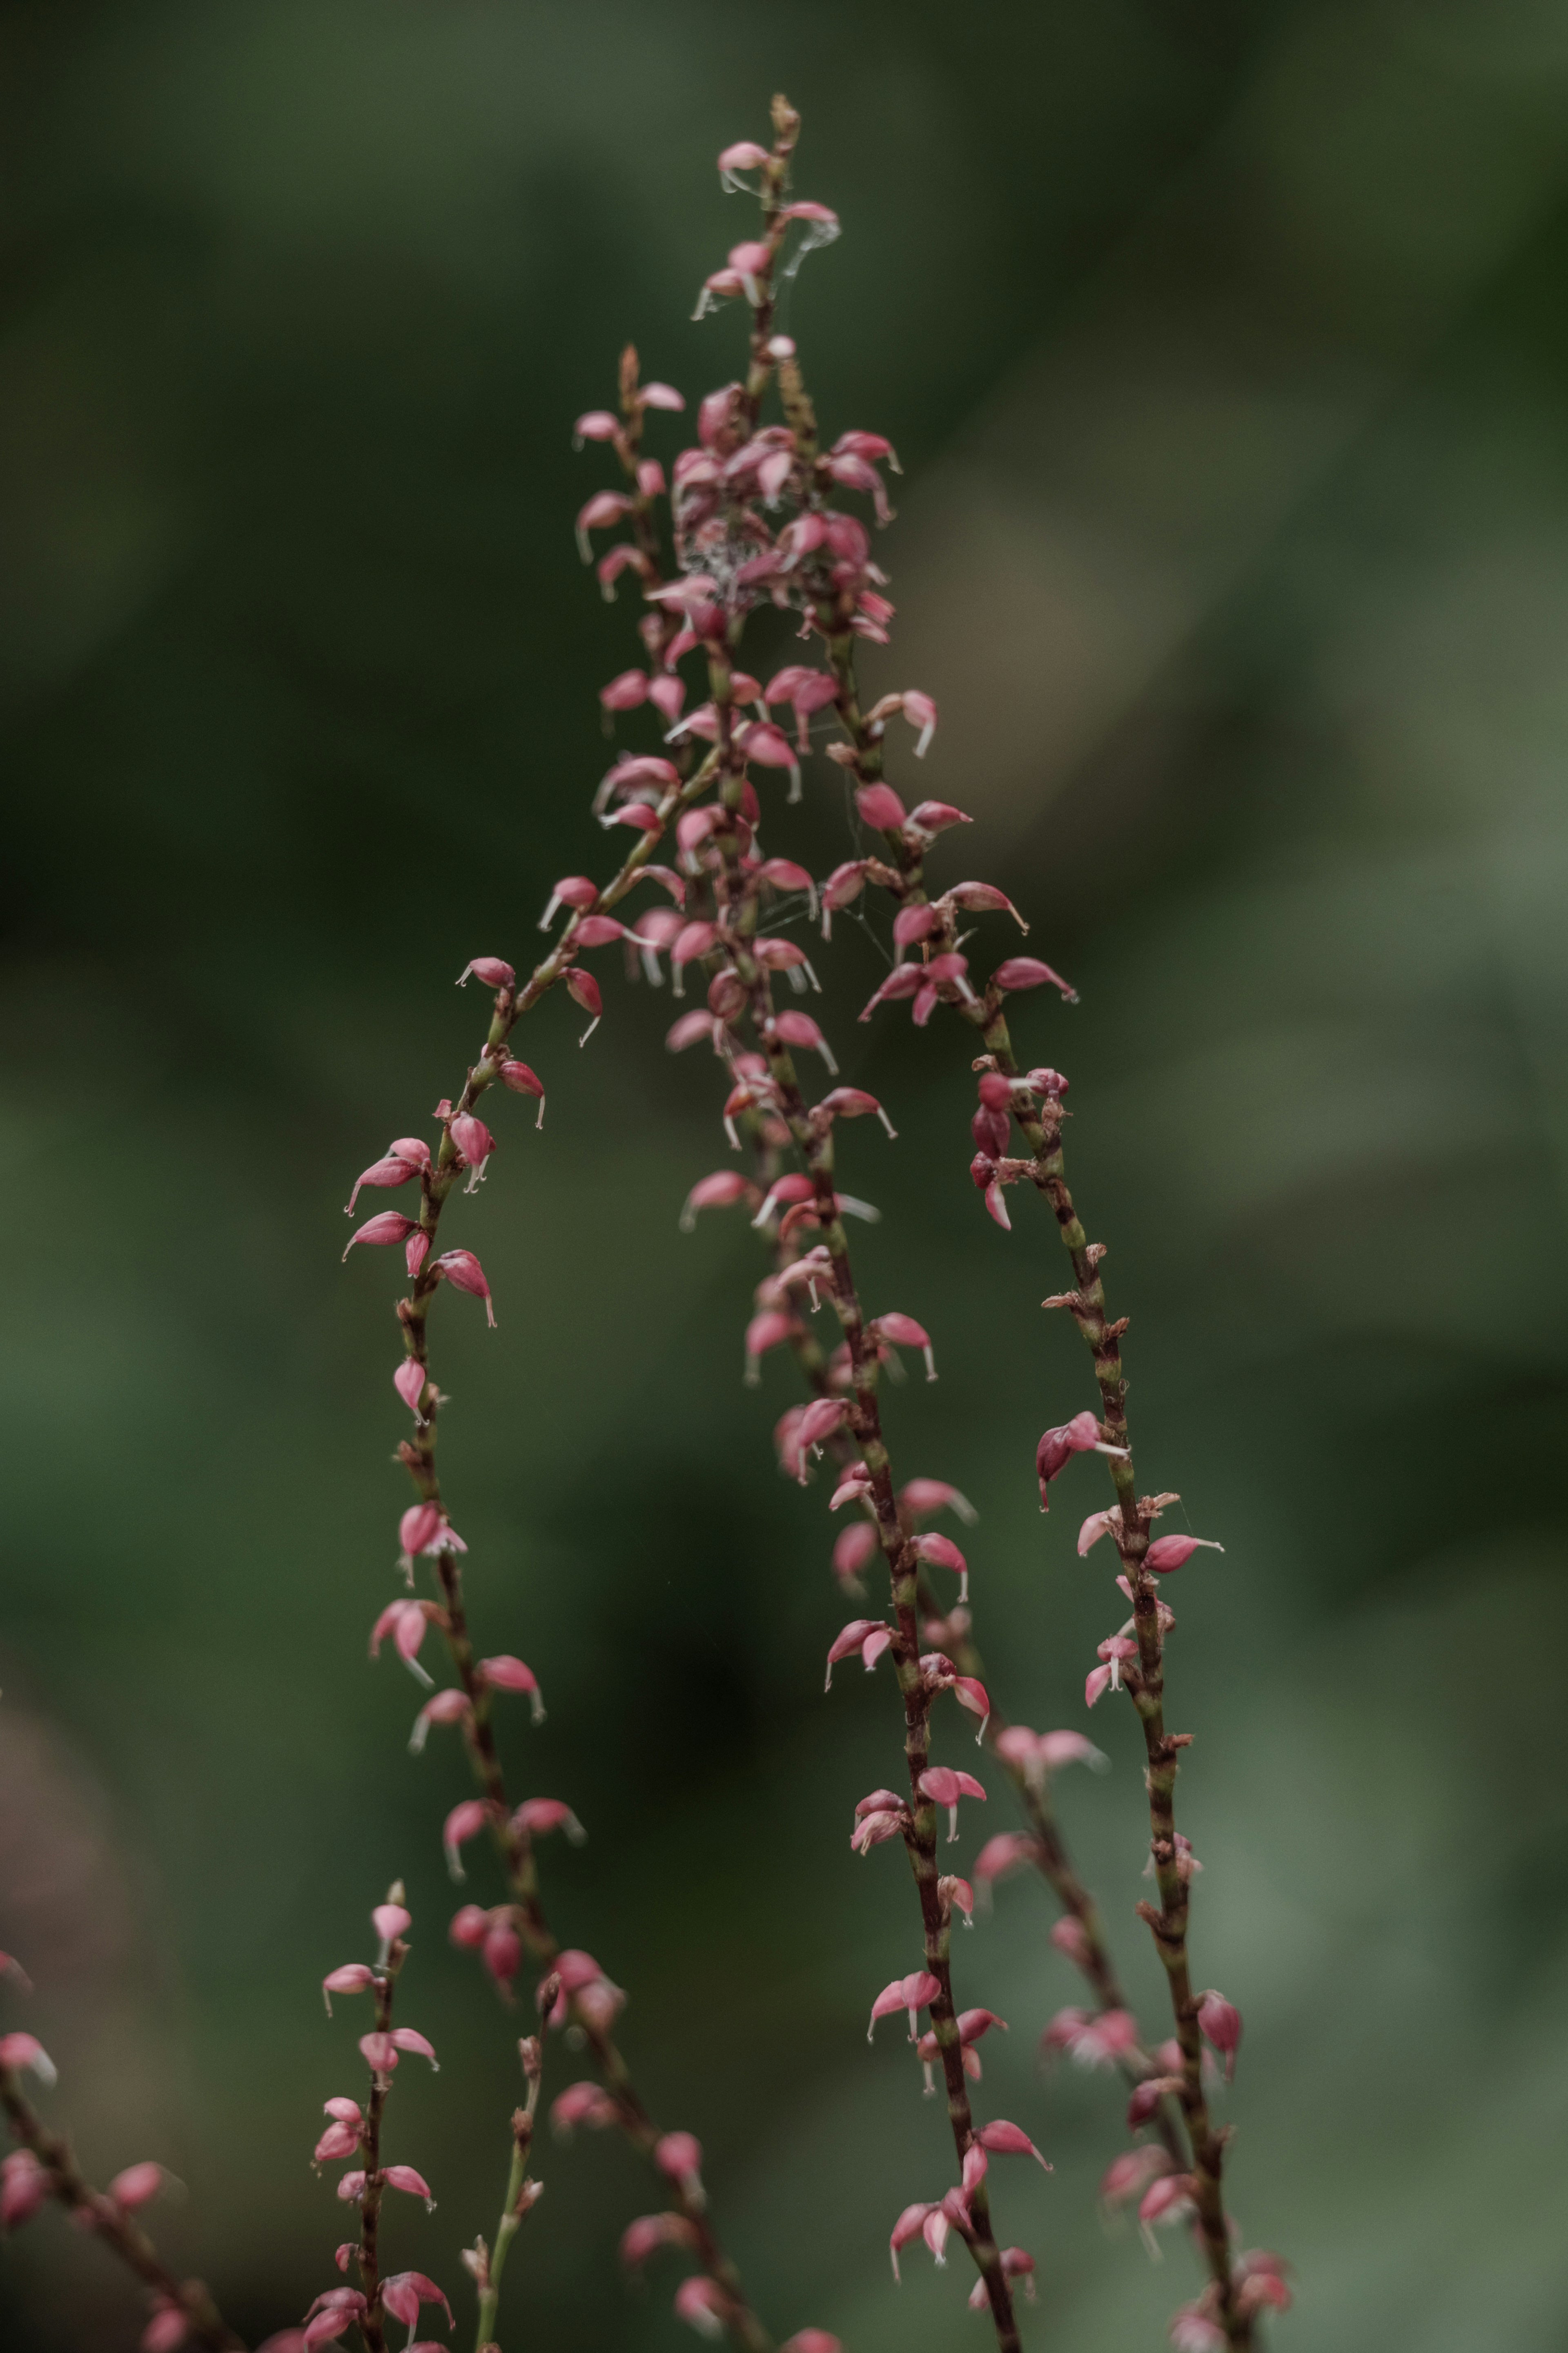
(869,1636)
(943,1787)
(703,2303)
(799,1030)
(404,2177)
(1167,1552)
(1193,2330)
(1004,2139)
(1118,1652)
(24,2188)
(879,806)
(1220,2022)
(911,1993)
(24,2053)
(506,1673)
(409,1381)
(1070,1935)
(1015,2264)
(1094,2038)
(1128,2176)
(942,1553)
(494,971)
(1008,1851)
(386,1225)
(720,1191)
(404,2292)
(1038,1755)
(537,1817)
(466,1820)
(137,2185)
(853,1548)
(910,2224)
(464,1272)
(1169,2199)
(169,2328)
(1056,1448)
(1028,971)
(582,2104)
(353,1976)
(679,2154)
(404,1157)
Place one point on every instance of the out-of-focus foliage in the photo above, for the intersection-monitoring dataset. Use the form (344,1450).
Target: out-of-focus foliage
(1224,351)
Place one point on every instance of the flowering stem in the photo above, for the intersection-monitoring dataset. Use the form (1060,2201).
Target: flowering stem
(521,2191)
(370,2327)
(110,2223)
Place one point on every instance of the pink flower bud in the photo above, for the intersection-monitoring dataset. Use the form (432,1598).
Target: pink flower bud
(1170,2199)
(1015,2264)
(852,1549)
(644,2237)
(403,2177)
(905,1333)
(935,816)
(860,1634)
(473,1140)
(1097,2039)
(1028,971)
(410,1380)
(1004,2139)
(679,2154)
(509,1674)
(942,1553)
(912,1994)
(765,1331)
(465,1822)
(605,507)
(800,1029)
(1167,1552)
(1058,1446)
(919,1497)
(943,1787)
(702,2302)
(464,1272)
(1008,1851)
(1071,1936)
(403,2038)
(137,2185)
(339,2140)
(387,1226)
(879,806)
(1036,1755)
(24,2188)
(169,2328)
(745,155)
(1129,2176)
(1220,2022)
(503,1953)
(404,2292)
(910,2224)
(625,690)
(23,2054)
(470,1926)
(582,2104)
(720,1191)
(494,971)
(353,1978)
(537,1817)
(595,425)
(904,980)
(1193,2331)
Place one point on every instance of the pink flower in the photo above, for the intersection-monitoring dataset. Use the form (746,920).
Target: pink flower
(702,2302)
(1008,1851)
(942,1553)
(521,1080)
(137,2185)
(905,1333)
(919,1497)
(506,1673)
(1118,1652)
(1056,1448)
(405,1621)
(1220,2022)
(474,1142)
(852,1549)
(943,1787)
(1036,1755)
(1129,2176)
(1170,2199)
(1015,2264)
(386,1225)
(404,2177)
(745,155)
(912,1993)
(404,1159)
(465,1822)
(811,2340)
(464,1272)
(353,1976)
(869,1636)
(1094,2038)
(1193,2330)
(409,1381)
(1004,2139)
(537,1817)
(679,2154)
(910,2224)
(644,2237)
(24,2053)
(24,2188)
(879,806)
(800,1029)
(404,2292)
(1167,1552)
(1028,971)
(720,1191)
(768,1330)
(582,2104)
(494,971)
(170,2326)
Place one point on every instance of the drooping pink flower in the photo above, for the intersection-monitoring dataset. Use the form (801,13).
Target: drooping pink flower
(1117,1651)
(466,1820)
(537,1817)
(506,1673)
(1028,971)
(911,1993)
(1016,2263)
(745,155)
(852,1549)
(679,2156)
(905,1333)
(1008,1851)
(353,1976)
(24,2053)
(387,1226)
(799,1030)
(869,1636)
(1056,1448)
(1220,2022)
(24,2188)
(582,2104)
(1038,1755)
(137,2185)
(1167,1552)
(169,2328)
(919,1497)
(1005,2139)
(881,806)
(942,1553)
(1092,2038)
(1128,2176)
(910,2224)
(703,2305)
(402,2294)
(943,1787)
(1170,2199)
(464,1272)
(494,971)
(413,2184)
(404,1157)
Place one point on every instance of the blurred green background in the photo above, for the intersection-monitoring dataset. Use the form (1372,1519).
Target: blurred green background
(1224,349)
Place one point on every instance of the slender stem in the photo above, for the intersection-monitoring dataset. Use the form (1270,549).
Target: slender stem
(109,2222)
(369,2327)
(521,2192)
